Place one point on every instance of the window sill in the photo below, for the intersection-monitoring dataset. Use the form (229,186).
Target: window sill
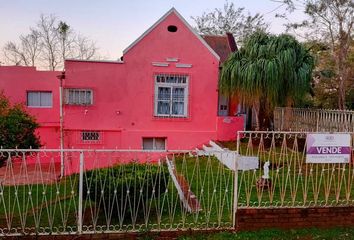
(78,105)
(39,106)
(171,119)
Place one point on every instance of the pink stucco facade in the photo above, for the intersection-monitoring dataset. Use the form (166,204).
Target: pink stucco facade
(123,108)
(16,81)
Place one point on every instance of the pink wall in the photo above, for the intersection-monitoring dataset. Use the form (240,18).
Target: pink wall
(228,127)
(130,91)
(15,81)
(123,94)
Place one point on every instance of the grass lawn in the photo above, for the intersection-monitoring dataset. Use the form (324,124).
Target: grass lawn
(39,206)
(55,205)
(272,234)
(293,181)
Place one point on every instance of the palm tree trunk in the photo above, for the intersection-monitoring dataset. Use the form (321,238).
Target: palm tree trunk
(255,109)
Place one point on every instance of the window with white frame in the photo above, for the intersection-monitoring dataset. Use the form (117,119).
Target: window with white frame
(89,136)
(171,95)
(154,143)
(39,99)
(78,96)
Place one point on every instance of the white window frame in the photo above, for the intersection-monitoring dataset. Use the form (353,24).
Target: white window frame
(154,143)
(40,92)
(90,140)
(171,86)
(67,92)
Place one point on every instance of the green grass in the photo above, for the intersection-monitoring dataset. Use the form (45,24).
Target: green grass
(209,180)
(274,234)
(212,183)
(39,205)
(291,188)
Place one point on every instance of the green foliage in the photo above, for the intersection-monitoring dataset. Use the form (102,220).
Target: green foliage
(325,78)
(269,69)
(330,22)
(137,182)
(17,127)
(278,67)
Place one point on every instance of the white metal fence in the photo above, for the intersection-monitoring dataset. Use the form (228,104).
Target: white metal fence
(117,191)
(104,191)
(291,182)
(302,119)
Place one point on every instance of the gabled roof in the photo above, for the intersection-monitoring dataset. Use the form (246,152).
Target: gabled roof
(173,10)
(223,45)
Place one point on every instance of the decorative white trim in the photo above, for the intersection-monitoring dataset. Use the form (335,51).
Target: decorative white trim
(173,10)
(160,64)
(183,65)
(172,59)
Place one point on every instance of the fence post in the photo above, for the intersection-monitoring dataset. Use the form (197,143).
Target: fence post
(81,182)
(317,121)
(282,119)
(237,153)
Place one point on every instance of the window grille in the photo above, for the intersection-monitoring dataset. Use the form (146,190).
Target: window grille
(89,136)
(78,97)
(171,95)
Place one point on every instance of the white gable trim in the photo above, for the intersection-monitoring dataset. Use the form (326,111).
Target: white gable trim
(173,10)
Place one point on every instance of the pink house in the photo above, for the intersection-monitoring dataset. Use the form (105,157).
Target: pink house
(162,94)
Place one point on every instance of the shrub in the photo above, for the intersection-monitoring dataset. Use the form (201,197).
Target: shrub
(125,186)
(17,127)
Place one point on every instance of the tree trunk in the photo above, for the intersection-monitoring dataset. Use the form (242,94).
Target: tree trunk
(264,114)
(255,109)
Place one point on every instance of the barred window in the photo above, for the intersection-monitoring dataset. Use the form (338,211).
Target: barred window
(39,99)
(78,96)
(90,136)
(171,95)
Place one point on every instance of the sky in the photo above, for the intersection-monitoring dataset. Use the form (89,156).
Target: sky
(114,24)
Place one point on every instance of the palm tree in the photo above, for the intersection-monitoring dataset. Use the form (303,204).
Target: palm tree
(268,71)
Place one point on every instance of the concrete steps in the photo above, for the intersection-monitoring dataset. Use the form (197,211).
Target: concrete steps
(224,155)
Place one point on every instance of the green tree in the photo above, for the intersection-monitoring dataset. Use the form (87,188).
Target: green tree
(17,127)
(330,22)
(268,71)
(325,78)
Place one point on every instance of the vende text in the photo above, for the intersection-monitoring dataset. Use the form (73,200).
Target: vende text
(329,150)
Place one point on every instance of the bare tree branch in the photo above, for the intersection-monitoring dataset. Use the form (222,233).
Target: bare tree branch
(48,44)
(230,19)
